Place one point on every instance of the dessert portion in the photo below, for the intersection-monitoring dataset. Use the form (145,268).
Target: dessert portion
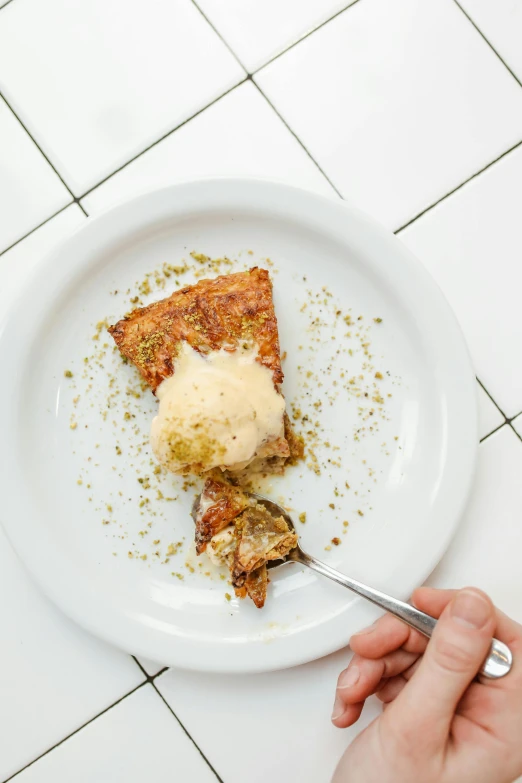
(241,534)
(210,353)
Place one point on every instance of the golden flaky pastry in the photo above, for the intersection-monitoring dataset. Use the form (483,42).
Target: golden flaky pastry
(210,315)
(218,505)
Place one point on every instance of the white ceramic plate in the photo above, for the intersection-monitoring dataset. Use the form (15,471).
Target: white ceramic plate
(407,450)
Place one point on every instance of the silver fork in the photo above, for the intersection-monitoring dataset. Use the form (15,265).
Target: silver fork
(499,659)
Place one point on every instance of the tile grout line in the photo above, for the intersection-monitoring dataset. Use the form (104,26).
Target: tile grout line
(190,737)
(138,664)
(510,424)
(296,137)
(285,49)
(57,744)
(305,36)
(161,138)
(169,133)
(55,214)
(211,25)
(150,677)
(479,31)
(503,424)
(492,400)
(500,426)
(458,187)
(15,115)
(149,680)
(507,419)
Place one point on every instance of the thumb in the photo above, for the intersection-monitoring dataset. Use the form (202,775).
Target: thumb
(424,709)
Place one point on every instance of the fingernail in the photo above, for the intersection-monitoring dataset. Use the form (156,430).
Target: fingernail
(370,629)
(349,677)
(338,708)
(470,609)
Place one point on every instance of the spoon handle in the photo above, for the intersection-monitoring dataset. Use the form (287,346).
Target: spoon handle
(499,660)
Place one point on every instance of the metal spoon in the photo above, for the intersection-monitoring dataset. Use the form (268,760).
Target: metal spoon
(499,659)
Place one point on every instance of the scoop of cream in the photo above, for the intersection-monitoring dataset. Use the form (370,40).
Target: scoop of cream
(215,410)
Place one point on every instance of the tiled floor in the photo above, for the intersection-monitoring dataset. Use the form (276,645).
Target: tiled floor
(413,111)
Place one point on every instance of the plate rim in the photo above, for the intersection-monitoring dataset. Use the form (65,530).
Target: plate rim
(94,228)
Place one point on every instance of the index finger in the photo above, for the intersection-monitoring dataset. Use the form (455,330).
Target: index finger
(390,633)
(385,636)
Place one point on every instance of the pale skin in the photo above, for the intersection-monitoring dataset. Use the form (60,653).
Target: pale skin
(440,723)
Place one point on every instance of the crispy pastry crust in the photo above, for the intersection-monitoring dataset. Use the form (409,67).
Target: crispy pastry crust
(219,504)
(213,314)
(256,585)
(262,537)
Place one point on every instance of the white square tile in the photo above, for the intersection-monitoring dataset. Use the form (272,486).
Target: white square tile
(30,191)
(399,102)
(17,264)
(501,23)
(53,676)
(97,82)
(471,244)
(489,415)
(257,30)
(486,550)
(137,740)
(240,135)
(289,710)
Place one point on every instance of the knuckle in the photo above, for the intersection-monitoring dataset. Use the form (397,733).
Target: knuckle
(340,678)
(453,656)
(476,591)
(416,643)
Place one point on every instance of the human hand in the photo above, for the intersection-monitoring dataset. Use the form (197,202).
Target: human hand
(439,725)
